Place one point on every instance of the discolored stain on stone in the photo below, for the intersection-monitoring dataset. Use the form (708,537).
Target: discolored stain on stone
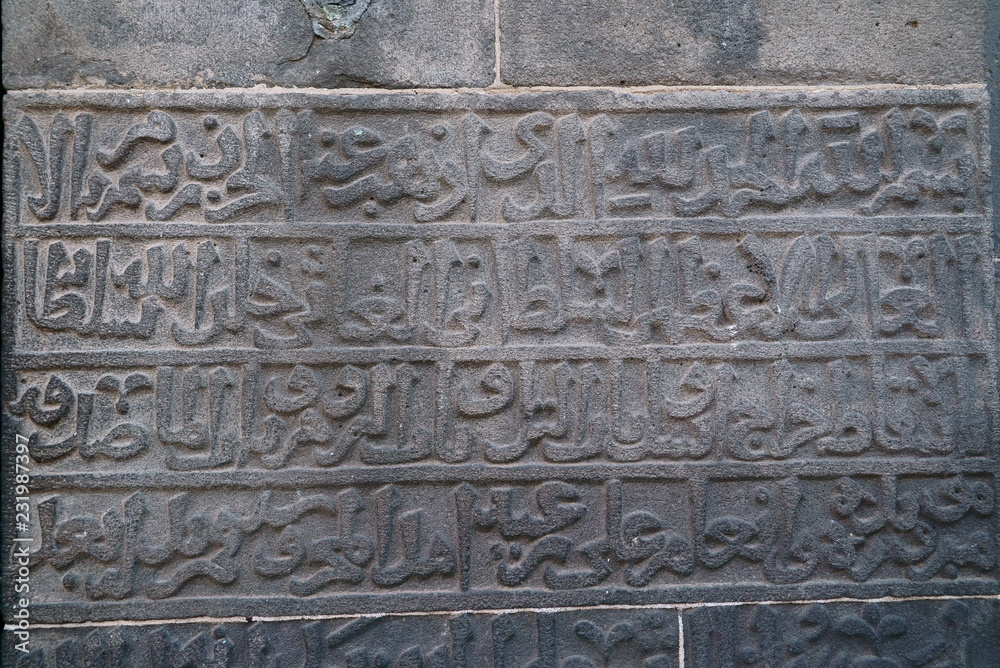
(735,29)
(335,19)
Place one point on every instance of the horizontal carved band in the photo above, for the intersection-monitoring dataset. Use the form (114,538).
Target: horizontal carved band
(891,633)
(158,160)
(482,540)
(275,416)
(490,289)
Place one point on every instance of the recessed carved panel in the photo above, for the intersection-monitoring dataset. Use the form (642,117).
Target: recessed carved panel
(284,354)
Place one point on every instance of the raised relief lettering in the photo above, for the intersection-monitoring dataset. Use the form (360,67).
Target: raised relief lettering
(306,355)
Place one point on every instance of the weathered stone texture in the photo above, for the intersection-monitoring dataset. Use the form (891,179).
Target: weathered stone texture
(193,43)
(298,353)
(740,42)
(415,43)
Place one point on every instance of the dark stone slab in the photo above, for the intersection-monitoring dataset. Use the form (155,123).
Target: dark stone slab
(740,42)
(190,43)
(912,633)
(293,353)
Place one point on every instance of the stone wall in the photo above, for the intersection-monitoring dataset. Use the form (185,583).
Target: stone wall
(551,334)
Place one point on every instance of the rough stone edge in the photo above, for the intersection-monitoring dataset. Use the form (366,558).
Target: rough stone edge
(683,641)
(512,100)
(991,48)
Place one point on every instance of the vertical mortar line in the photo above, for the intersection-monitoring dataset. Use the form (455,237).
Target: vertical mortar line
(496,43)
(680,637)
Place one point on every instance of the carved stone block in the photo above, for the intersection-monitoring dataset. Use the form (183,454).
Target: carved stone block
(288,353)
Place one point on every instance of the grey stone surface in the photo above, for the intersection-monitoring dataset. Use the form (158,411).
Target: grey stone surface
(741,42)
(957,633)
(960,633)
(296,353)
(192,43)
(992,49)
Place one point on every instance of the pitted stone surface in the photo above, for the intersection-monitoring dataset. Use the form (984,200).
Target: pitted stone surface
(741,42)
(193,43)
(297,354)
